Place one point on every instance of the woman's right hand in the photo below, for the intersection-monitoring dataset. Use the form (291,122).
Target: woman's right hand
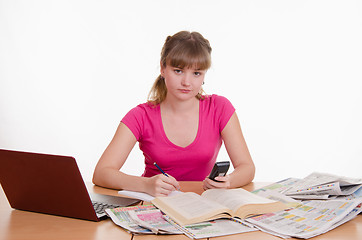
(161,185)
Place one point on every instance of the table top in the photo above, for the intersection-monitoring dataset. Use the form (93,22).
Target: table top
(16,224)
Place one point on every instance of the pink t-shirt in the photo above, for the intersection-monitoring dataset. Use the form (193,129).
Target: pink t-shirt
(191,163)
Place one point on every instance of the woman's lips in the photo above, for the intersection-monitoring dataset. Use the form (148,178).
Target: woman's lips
(185,90)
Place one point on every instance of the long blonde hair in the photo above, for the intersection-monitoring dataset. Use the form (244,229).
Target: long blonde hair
(184,49)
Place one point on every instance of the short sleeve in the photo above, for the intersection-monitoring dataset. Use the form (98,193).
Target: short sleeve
(223,110)
(134,121)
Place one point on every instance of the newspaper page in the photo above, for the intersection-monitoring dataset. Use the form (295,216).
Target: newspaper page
(348,190)
(280,186)
(273,192)
(312,197)
(150,220)
(324,189)
(215,228)
(356,194)
(153,219)
(326,182)
(276,196)
(309,219)
(120,216)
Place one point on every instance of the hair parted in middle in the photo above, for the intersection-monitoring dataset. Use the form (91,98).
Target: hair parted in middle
(183,50)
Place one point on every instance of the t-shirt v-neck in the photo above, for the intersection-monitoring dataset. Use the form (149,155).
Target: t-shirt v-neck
(165,135)
(191,163)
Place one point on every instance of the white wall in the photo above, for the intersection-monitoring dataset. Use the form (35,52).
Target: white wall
(70,70)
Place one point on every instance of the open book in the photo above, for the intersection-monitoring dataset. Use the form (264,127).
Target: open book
(189,208)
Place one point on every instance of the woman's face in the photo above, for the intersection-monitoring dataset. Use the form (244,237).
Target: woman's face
(182,83)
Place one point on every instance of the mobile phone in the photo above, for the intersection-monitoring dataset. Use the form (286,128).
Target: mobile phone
(219,170)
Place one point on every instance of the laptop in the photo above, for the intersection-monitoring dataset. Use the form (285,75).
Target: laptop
(52,184)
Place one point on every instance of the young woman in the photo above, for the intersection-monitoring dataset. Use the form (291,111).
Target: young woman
(179,128)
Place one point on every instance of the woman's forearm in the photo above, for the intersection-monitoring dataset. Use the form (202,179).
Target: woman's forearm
(242,175)
(115,179)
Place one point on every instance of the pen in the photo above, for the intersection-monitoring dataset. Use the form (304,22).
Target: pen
(164,173)
(160,169)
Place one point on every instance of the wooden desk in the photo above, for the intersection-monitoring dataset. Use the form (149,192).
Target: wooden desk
(21,225)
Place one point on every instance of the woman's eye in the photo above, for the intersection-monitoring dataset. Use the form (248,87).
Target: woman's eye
(197,73)
(178,71)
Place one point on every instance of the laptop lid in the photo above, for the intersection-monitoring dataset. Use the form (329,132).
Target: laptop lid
(48,184)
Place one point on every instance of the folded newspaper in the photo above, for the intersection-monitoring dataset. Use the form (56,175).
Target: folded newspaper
(143,219)
(310,217)
(214,228)
(342,200)
(147,219)
(319,186)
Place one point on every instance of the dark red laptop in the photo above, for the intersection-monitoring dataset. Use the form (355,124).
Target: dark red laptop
(52,184)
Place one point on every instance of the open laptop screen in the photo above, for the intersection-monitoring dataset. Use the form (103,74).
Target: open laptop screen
(47,184)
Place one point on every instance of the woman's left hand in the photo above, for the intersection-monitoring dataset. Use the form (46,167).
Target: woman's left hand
(224,182)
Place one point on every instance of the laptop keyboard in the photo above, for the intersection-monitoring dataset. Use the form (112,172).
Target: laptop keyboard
(99,207)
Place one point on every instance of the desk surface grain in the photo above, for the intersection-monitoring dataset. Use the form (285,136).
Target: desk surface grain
(20,225)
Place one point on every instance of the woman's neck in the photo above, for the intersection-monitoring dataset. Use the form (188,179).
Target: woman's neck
(180,106)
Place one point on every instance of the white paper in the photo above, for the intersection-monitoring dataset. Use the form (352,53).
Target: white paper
(142,196)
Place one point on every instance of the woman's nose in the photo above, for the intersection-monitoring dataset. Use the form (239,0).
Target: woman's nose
(186,80)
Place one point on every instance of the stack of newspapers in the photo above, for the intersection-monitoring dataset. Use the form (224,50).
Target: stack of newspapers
(312,206)
(147,219)
(325,202)
(318,186)
(142,219)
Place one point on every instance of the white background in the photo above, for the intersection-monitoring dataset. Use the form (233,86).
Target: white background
(70,70)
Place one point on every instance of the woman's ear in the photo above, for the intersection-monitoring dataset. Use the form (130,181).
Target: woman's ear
(162,69)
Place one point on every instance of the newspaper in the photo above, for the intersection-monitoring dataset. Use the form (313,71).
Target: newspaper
(280,186)
(153,219)
(310,219)
(147,219)
(324,184)
(215,228)
(336,200)
(143,219)
(356,194)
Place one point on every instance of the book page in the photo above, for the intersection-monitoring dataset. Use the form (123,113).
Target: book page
(191,205)
(234,198)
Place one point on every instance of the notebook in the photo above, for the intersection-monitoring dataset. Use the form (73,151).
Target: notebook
(51,184)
